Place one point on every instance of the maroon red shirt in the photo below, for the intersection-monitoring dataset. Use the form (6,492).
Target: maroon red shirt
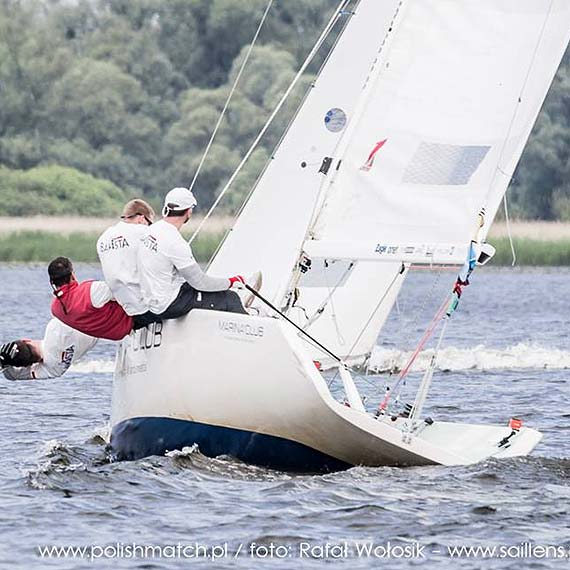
(73,307)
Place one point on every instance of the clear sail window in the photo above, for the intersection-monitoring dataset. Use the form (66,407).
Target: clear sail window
(444,164)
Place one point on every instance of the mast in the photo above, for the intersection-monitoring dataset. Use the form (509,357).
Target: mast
(334,162)
(292,180)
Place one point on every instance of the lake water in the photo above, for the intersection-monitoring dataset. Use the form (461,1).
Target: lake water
(507,352)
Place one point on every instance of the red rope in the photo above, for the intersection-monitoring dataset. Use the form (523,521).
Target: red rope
(426,336)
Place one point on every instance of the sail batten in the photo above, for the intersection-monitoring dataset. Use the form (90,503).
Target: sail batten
(416,253)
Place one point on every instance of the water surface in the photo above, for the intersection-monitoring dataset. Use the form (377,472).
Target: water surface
(506,353)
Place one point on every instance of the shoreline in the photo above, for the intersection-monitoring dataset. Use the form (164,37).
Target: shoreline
(538,230)
(64,225)
(40,239)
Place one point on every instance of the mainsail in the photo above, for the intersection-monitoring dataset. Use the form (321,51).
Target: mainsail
(450,105)
(270,230)
(414,125)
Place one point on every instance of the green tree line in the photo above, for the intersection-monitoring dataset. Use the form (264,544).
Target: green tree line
(128,91)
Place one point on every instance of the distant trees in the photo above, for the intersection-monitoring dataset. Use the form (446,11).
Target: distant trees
(541,189)
(57,190)
(129,91)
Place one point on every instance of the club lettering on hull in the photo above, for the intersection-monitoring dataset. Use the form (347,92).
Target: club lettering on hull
(242,329)
(147,338)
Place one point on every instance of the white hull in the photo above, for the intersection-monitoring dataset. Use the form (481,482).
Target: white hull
(247,387)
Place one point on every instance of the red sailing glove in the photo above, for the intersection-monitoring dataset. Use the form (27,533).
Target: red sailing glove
(458,288)
(237,279)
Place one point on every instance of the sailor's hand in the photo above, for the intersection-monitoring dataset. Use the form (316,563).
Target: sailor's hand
(237,282)
(7,352)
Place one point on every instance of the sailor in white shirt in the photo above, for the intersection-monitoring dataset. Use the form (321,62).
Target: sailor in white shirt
(117,249)
(172,282)
(48,358)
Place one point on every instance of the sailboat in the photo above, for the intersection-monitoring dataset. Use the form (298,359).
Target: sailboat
(399,156)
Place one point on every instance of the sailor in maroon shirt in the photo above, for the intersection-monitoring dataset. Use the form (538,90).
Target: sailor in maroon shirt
(89,306)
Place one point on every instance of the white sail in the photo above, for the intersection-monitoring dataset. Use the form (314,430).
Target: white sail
(416,122)
(270,231)
(271,228)
(354,307)
(447,113)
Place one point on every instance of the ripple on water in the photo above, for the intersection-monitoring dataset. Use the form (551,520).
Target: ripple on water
(69,491)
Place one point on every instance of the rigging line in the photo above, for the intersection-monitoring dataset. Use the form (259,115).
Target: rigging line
(339,336)
(400,272)
(320,309)
(426,336)
(427,380)
(231,93)
(515,113)
(509,233)
(289,124)
(427,299)
(282,315)
(302,69)
(402,269)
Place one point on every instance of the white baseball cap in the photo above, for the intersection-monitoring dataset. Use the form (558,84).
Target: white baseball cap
(178,199)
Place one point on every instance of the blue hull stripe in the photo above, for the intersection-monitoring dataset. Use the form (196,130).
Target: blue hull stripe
(140,437)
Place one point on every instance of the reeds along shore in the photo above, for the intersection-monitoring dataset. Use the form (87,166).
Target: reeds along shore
(42,246)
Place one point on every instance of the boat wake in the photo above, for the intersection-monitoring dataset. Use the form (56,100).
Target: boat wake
(93,367)
(60,464)
(76,468)
(222,466)
(520,356)
(526,356)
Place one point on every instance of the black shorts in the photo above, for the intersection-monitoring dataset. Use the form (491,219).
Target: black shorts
(189,298)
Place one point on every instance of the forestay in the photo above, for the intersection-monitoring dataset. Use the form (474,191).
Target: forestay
(445,117)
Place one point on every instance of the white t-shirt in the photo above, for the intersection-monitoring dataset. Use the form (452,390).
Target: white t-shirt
(162,254)
(61,347)
(117,249)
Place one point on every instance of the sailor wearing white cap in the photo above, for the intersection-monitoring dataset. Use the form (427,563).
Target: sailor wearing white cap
(172,282)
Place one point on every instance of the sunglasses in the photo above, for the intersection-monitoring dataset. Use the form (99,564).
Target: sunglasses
(148,222)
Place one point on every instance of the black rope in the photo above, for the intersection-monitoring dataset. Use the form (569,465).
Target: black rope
(312,339)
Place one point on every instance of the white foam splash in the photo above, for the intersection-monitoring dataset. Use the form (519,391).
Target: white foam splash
(475,358)
(51,446)
(184,452)
(93,367)
(480,357)
(102,432)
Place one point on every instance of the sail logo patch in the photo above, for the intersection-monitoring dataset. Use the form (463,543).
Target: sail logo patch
(367,166)
(416,251)
(335,120)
